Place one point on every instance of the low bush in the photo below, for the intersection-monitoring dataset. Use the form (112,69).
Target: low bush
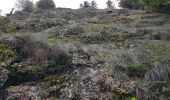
(37,52)
(67,15)
(148,64)
(28,59)
(7,55)
(6,25)
(39,24)
(158,5)
(76,30)
(92,37)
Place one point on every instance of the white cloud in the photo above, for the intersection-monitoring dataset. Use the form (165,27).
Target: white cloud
(6,5)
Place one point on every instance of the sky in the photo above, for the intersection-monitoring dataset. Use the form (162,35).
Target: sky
(6,5)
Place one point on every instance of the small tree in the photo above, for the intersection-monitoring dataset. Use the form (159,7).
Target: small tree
(94,4)
(45,4)
(25,5)
(86,4)
(109,4)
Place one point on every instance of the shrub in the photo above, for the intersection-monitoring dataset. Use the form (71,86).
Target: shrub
(160,5)
(67,15)
(3,22)
(130,4)
(149,64)
(37,52)
(25,5)
(92,37)
(45,4)
(76,30)
(28,59)
(154,83)
(7,55)
(6,25)
(39,24)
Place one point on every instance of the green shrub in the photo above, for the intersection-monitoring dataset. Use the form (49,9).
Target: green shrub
(3,23)
(138,70)
(154,5)
(131,4)
(161,5)
(52,39)
(11,28)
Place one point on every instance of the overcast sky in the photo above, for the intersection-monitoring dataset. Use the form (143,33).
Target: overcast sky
(6,5)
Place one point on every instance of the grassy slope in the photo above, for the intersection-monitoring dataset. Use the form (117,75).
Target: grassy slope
(140,50)
(133,44)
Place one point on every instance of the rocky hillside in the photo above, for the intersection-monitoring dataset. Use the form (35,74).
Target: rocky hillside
(85,54)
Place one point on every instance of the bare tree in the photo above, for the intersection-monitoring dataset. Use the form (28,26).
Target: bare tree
(25,5)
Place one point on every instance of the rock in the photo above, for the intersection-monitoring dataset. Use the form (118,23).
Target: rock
(3,79)
(25,92)
(3,76)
